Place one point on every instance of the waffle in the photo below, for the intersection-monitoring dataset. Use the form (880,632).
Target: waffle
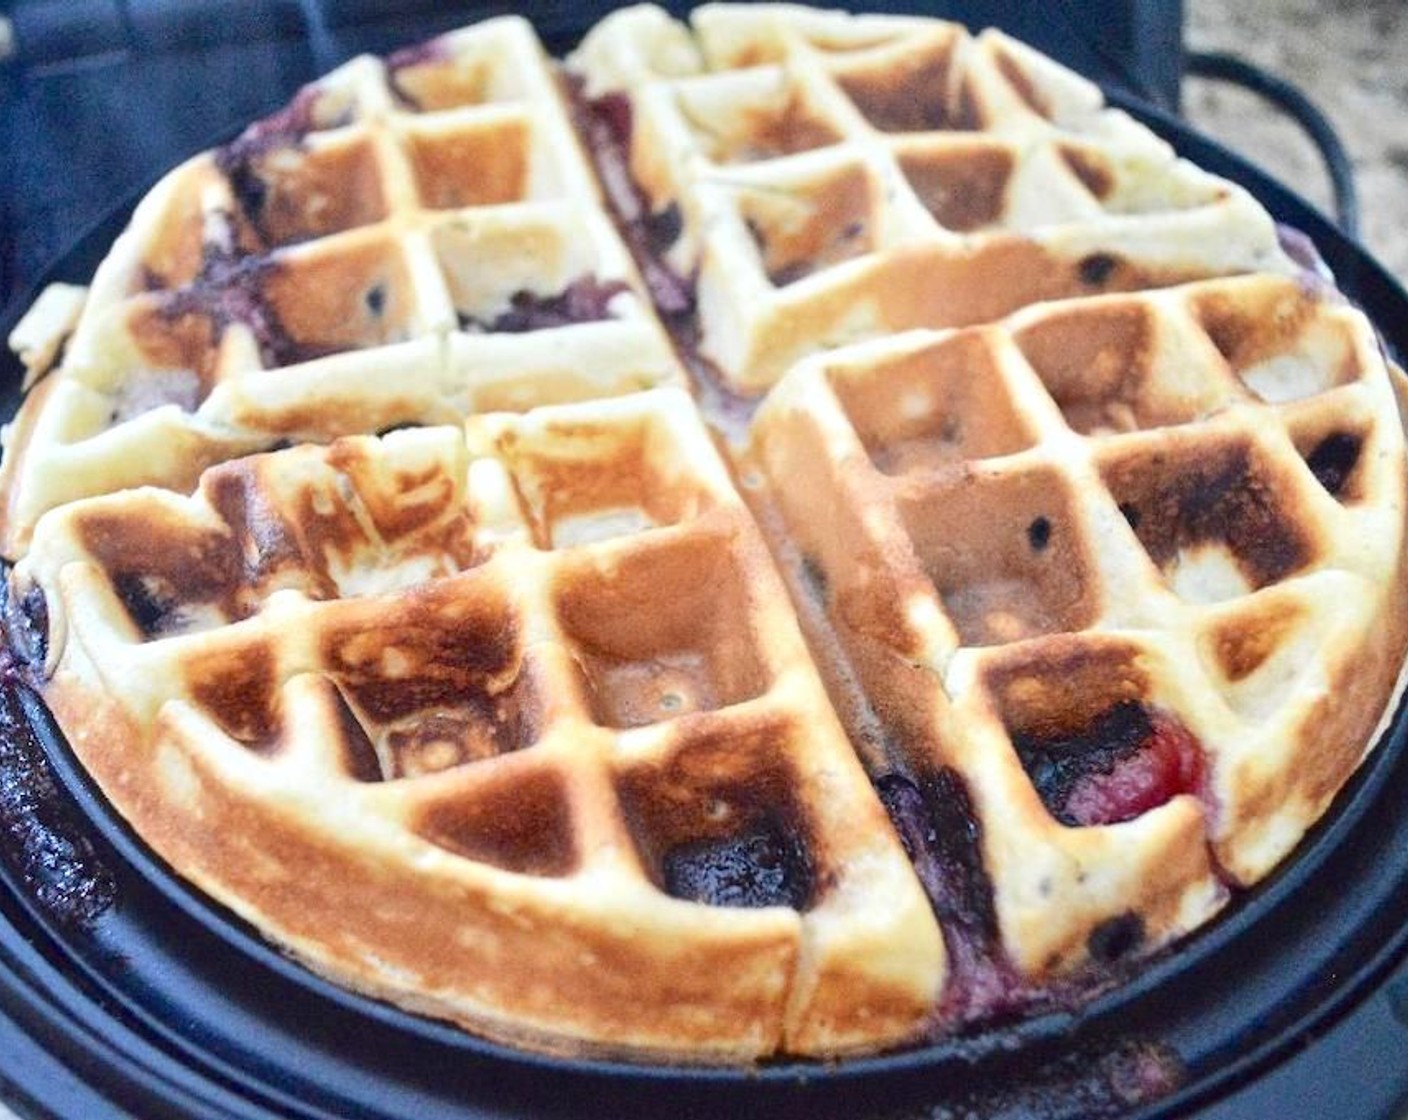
(432,215)
(1016,585)
(1124,570)
(814,178)
(476,721)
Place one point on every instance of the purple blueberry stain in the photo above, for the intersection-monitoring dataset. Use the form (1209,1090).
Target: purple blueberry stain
(1314,276)
(239,160)
(375,299)
(614,112)
(942,836)
(25,623)
(606,123)
(585,300)
(1039,533)
(41,833)
(767,865)
(232,289)
(1097,268)
(421,54)
(663,228)
(1116,939)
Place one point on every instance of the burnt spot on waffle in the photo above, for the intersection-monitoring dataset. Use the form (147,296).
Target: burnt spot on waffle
(1096,746)
(147,603)
(970,535)
(1116,939)
(444,685)
(717,822)
(1335,447)
(1121,764)
(629,489)
(164,574)
(519,822)
(313,535)
(238,688)
(1214,519)
(1242,642)
(939,405)
(417,504)
(1101,368)
(356,754)
(1333,459)
(657,637)
(261,540)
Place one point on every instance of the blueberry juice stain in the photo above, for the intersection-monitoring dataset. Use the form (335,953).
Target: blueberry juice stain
(765,865)
(43,843)
(942,835)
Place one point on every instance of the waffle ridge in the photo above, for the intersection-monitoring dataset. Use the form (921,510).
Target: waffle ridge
(483,530)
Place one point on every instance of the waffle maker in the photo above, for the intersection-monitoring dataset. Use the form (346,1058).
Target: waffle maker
(124,993)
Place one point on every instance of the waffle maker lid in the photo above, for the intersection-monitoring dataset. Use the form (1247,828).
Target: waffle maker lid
(123,992)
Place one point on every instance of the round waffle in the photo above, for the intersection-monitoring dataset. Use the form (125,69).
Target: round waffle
(1046,599)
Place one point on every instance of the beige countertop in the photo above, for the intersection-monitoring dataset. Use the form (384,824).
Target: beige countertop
(1348,57)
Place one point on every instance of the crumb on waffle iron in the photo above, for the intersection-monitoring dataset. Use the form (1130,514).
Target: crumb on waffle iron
(1019,583)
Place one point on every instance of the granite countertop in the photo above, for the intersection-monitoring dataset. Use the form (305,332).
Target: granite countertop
(1348,57)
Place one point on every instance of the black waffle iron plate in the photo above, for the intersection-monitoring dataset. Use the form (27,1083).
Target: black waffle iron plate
(122,992)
